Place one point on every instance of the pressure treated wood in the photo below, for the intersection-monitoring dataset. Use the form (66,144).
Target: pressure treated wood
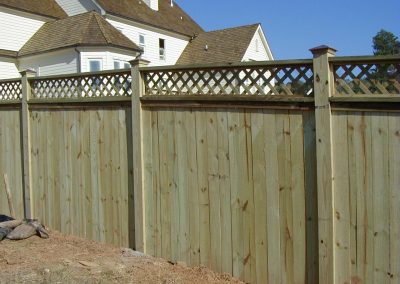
(366,196)
(11,162)
(80,172)
(246,191)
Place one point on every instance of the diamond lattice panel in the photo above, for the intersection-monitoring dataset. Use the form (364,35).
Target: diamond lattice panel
(368,79)
(10,90)
(89,86)
(270,80)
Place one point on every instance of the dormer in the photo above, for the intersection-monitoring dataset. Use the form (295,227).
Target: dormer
(153,4)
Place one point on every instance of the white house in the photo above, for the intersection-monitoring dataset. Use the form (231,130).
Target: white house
(70,36)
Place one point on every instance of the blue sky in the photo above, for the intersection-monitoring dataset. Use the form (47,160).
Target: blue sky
(293,27)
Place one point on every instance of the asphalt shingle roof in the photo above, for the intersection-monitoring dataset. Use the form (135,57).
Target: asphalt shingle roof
(168,17)
(88,29)
(48,8)
(222,46)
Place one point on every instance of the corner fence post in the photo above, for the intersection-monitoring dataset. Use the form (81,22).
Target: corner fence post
(26,141)
(138,194)
(323,90)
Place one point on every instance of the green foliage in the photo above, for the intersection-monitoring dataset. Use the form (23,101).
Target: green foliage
(385,43)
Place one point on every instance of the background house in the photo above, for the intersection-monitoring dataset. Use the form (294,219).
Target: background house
(70,36)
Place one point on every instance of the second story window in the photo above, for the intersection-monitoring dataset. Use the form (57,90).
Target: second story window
(142,42)
(162,49)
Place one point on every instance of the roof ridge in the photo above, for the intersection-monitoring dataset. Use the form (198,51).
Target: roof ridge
(96,16)
(232,28)
(86,29)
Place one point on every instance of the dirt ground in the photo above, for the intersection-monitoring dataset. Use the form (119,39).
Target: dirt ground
(66,259)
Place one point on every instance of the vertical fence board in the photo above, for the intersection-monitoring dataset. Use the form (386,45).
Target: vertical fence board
(183,185)
(298,196)
(224,191)
(213,186)
(260,193)
(381,197)
(272,181)
(203,187)
(341,197)
(394,185)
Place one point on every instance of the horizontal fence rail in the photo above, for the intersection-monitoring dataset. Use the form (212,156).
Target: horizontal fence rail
(288,78)
(366,76)
(10,90)
(93,85)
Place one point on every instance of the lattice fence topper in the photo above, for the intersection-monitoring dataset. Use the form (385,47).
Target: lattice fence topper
(368,79)
(114,84)
(10,90)
(265,80)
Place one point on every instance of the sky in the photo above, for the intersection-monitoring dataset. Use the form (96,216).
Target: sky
(292,27)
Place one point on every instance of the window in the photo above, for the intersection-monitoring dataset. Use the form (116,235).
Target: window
(94,65)
(142,42)
(257,45)
(120,64)
(162,49)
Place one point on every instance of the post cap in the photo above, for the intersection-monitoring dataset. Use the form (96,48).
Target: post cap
(28,73)
(322,49)
(139,61)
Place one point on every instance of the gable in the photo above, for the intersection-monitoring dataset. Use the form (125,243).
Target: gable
(16,29)
(258,49)
(75,7)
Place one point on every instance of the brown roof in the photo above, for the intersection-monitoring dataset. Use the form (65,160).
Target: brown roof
(8,53)
(88,29)
(48,8)
(167,17)
(228,45)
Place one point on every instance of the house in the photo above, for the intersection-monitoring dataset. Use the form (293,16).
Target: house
(70,36)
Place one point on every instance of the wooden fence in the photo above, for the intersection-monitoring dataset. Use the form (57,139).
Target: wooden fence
(275,172)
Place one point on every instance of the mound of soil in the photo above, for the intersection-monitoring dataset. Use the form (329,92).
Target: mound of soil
(66,259)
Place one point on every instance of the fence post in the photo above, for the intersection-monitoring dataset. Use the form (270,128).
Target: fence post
(26,141)
(323,89)
(138,194)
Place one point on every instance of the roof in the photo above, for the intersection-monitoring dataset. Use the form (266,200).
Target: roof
(8,53)
(168,17)
(47,8)
(228,45)
(88,29)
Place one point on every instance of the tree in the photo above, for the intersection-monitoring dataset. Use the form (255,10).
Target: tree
(385,43)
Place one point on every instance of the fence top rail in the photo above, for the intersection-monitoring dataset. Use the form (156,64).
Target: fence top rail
(79,75)
(10,80)
(365,59)
(227,65)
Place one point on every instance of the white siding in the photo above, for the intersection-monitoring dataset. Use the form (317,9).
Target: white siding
(16,30)
(54,63)
(173,46)
(257,54)
(153,4)
(8,70)
(74,7)
(107,59)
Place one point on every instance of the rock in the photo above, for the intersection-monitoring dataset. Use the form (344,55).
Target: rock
(4,232)
(41,231)
(10,224)
(127,252)
(22,232)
